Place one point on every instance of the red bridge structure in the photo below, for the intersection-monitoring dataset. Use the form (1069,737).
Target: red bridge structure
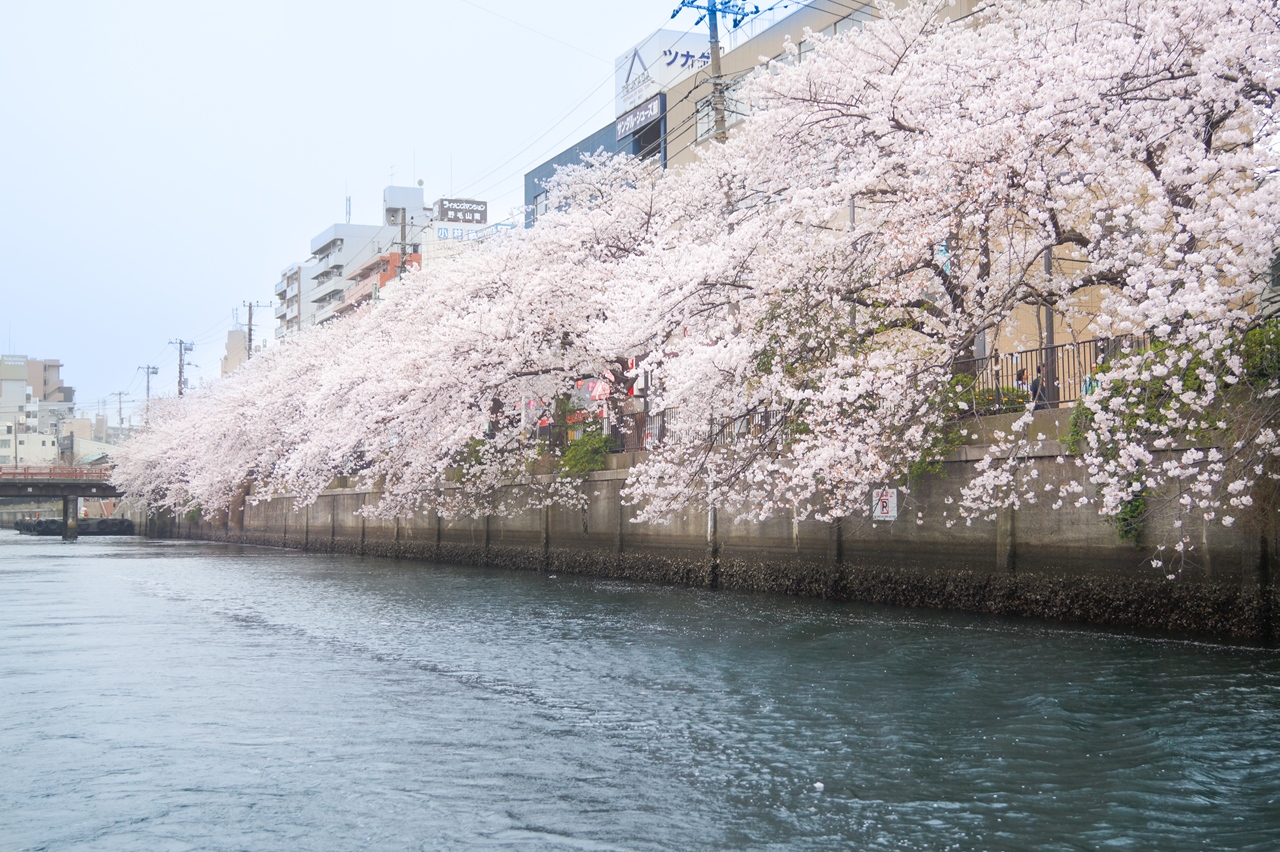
(69,483)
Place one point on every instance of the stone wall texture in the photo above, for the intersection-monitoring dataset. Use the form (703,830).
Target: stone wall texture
(1066,565)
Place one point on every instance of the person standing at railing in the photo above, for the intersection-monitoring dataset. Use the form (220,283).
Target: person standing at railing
(1039,393)
(1090,383)
(1020,381)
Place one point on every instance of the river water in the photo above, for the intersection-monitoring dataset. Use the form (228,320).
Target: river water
(167,695)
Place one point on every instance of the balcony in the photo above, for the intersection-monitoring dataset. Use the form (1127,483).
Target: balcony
(326,293)
(328,272)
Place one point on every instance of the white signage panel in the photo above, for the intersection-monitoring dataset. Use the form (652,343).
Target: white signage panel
(884,504)
(656,64)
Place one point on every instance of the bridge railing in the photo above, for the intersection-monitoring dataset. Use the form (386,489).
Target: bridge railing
(55,472)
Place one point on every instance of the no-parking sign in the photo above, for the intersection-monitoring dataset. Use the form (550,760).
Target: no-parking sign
(884,504)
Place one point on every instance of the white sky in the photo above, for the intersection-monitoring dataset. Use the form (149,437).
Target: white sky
(164,161)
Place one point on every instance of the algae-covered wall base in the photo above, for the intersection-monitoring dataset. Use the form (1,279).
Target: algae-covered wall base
(1035,563)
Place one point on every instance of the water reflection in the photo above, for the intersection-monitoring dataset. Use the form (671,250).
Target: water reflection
(164,694)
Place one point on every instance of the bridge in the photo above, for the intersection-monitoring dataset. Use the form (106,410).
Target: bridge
(69,483)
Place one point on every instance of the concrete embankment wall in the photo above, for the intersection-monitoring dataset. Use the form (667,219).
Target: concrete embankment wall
(11,509)
(1066,564)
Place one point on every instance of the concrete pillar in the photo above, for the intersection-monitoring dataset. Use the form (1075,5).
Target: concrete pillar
(622,524)
(235,512)
(713,549)
(1006,543)
(363,500)
(439,534)
(546,538)
(70,528)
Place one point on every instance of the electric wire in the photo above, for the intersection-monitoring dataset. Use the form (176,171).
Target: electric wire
(535,31)
(553,126)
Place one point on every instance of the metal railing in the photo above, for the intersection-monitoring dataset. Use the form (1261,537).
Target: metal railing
(1006,382)
(55,472)
(1001,383)
(644,431)
(639,431)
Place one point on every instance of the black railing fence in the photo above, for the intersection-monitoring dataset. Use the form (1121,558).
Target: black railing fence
(644,431)
(1057,375)
(1064,373)
(639,431)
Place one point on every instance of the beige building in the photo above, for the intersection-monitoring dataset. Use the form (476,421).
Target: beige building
(32,395)
(237,351)
(27,448)
(687,123)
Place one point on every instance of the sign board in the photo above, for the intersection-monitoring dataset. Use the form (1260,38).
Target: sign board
(645,114)
(655,64)
(884,504)
(464,210)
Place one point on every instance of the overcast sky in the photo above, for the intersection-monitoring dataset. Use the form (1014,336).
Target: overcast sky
(164,161)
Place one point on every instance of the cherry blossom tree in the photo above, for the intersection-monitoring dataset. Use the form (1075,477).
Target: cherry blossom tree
(1136,138)
(809,295)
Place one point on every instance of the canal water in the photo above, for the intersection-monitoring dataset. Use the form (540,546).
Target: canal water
(166,695)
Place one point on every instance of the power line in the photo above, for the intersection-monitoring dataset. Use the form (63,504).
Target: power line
(553,126)
(672,133)
(535,31)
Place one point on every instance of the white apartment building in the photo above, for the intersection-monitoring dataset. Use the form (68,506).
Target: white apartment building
(289,300)
(27,448)
(349,263)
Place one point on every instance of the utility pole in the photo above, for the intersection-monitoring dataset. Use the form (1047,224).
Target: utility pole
(717,79)
(183,348)
(404,220)
(711,9)
(251,306)
(1050,348)
(119,395)
(148,371)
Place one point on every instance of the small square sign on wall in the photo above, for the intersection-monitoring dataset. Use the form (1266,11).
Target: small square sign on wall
(884,505)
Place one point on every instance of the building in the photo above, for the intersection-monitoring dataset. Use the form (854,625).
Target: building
(80,427)
(662,89)
(32,395)
(604,140)
(27,448)
(350,264)
(289,300)
(237,351)
(75,449)
(45,380)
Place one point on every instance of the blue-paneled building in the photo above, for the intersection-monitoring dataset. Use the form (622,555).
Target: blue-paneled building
(535,197)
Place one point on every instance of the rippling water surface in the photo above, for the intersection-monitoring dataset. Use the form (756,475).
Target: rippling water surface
(159,695)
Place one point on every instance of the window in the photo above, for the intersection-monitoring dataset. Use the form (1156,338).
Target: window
(539,205)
